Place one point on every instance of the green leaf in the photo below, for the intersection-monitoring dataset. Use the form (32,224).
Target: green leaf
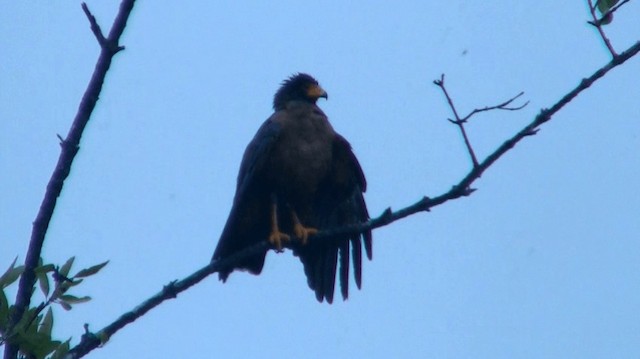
(50,347)
(36,344)
(64,305)
(43,281)
(605,5)
(47,323)
(45,268)
(11,274)
(72,299)
(74,282)
(10,266)
(21,326)
(91,270)
(606,20)
(64,270)
(32,328)
(61,350)
(4,309)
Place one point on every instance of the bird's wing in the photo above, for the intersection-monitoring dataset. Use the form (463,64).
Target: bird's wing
(248,221)
(339,202)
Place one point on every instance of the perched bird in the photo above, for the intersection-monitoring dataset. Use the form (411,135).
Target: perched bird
(299,177)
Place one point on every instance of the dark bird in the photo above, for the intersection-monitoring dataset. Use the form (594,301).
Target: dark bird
(299,177)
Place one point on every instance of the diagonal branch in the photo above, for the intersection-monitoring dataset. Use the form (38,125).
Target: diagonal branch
(90,341)
(69,149)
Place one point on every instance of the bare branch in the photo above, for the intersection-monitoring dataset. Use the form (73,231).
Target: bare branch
(503,106)
(107,44)
(458,121)
(95,28)
(90,341)
(69,149)
(461,121)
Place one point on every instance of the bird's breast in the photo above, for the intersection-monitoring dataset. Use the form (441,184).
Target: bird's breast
(302,159)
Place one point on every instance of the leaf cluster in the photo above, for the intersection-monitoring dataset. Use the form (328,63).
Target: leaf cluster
(32,332)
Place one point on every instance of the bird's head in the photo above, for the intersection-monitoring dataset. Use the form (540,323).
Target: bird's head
(299,87)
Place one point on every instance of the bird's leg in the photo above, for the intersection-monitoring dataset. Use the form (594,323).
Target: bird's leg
(301,231)
(276,237)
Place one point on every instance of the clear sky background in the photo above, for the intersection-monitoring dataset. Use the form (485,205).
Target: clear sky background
(542,261)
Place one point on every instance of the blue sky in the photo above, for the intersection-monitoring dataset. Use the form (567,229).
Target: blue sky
(542,261)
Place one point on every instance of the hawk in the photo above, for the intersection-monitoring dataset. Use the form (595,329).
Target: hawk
(298,177)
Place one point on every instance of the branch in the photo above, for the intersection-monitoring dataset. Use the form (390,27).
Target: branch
(461,121)
(503,106)
(598,24)
(458,121)
(69,149)
(95,28)
(90,341)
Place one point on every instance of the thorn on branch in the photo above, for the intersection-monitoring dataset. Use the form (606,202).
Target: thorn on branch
(424,202)
(170,289)
(459,191)
(386,215)
(87,335)
(67,145)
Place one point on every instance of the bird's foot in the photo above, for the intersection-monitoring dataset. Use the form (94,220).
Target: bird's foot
(303,232)
(276,238)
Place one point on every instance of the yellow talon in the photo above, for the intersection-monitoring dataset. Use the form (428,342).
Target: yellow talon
(276,238)
(301,231)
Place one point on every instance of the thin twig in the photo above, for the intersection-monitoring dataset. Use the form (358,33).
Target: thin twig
(503,106)
(69,149)
(458,121)
(461,121)
(598,24)
(91,341)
